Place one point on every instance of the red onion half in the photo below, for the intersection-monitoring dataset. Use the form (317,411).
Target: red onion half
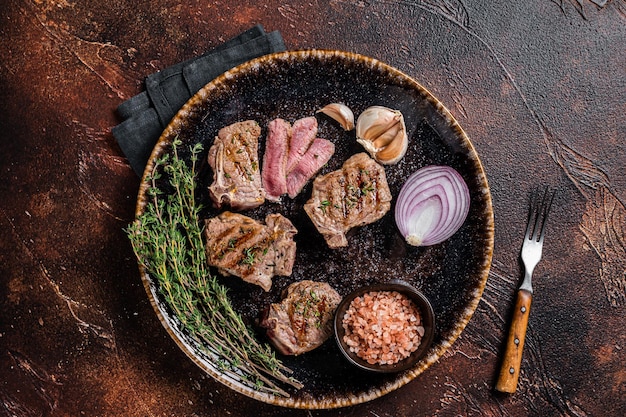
(432,205)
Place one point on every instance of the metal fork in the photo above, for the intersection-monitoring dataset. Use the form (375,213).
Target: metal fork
(531,254)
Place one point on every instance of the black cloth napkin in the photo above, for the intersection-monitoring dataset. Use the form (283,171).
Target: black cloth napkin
(148,113)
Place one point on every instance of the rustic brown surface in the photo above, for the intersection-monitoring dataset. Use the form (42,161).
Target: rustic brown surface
(539,87)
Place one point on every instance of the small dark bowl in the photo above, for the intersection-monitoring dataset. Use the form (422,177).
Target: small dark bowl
(427,316)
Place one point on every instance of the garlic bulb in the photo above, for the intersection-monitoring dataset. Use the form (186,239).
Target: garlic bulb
(341,113)
(382,133)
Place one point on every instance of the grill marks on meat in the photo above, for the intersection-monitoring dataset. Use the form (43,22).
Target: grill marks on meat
(234,158)
(302,321)
(355,195)
(241,246)
(293,155)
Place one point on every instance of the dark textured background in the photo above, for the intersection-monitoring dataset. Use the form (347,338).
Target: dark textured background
(539,87)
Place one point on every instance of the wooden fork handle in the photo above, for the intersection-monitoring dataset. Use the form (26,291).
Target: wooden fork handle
(509,372)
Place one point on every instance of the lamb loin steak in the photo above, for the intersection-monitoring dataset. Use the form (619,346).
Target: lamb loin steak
(355,195)
(241,246)
(234,158)
(302,321)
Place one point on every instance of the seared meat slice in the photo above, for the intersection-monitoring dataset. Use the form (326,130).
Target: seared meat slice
(355,195)
(293,155)
(315,157)
(281,232)
(303,319)
(274,174)
(303,133)
(234,158)
(239,245)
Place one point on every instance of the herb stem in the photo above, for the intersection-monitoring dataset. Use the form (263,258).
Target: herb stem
(167,240)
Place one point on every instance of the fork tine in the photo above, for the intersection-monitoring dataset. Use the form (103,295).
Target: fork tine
(530,227)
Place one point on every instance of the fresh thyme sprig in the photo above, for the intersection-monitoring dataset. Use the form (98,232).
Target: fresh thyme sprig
(167,240)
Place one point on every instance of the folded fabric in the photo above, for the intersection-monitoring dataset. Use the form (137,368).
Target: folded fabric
(148,113)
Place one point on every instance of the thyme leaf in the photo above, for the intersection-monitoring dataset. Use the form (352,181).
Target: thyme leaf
(249,256)
(323,205)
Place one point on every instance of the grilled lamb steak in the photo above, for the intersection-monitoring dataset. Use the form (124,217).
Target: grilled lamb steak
(355,195)
(234,158)
(302,321)
(241,246)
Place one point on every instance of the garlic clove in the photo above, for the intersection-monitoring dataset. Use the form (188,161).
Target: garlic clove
(395,151)
(382,132)
(388,136)
(375,120)
(340,113)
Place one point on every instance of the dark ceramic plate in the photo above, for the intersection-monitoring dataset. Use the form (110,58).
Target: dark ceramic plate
(452,275)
